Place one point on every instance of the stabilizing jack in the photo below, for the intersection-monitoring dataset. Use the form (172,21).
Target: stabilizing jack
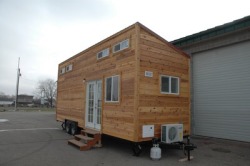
(186,147)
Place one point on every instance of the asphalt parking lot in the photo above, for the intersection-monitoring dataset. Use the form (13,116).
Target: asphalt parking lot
(36,139)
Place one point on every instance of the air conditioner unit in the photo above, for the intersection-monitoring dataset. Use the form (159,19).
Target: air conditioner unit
(171,133)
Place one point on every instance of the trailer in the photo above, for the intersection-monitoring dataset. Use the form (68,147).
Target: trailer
(126,86)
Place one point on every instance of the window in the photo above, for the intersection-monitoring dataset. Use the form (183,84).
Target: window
(69,67)
(121,46)
(62,71)
(103,53)
(112,89)
(169,85)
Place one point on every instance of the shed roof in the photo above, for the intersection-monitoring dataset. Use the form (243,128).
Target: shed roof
(163,40)
(233,26)
(126,29)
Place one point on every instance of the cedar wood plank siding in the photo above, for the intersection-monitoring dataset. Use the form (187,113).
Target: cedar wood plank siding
(117,118)
(155,108)
(140,99)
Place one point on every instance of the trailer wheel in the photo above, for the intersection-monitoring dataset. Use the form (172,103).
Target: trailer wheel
(73,128)
(68,127)
(63,125)
(137,149)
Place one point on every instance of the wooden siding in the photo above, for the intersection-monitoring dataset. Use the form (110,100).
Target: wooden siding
(141,102)
(117,119)
(154,107)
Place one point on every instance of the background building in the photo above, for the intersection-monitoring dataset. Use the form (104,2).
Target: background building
(24,99)
(220,61)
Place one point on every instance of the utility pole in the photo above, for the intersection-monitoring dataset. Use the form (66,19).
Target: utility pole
(17,83)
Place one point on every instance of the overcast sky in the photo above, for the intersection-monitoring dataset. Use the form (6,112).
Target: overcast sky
(44,33)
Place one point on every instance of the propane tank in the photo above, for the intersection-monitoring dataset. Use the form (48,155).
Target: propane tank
(155,152)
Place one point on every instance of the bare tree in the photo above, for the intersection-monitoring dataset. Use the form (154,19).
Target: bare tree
(48,88)
(5,97)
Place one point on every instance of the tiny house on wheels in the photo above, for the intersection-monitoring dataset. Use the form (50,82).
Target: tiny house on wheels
(127,86)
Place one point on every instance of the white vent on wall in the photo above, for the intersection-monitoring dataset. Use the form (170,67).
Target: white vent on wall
(148,74)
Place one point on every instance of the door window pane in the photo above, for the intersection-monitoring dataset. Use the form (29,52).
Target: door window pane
(90,115)
(99,103)
(98,116)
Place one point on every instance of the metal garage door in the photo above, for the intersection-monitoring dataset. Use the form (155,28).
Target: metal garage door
(221,92)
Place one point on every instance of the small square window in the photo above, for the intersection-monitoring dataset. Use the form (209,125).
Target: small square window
(124,44)
(121,46)
(169,84)
(103,53)
(62,71)
(117,47)
(69,67)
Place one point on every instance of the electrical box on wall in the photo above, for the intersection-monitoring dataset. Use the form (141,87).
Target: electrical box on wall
(148,131)
(148,74)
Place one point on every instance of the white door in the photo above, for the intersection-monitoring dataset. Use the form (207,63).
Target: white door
(94,104)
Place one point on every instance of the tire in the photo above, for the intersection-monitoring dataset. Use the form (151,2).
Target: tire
(74,128)
(63,125)
(68,127)
(137,149)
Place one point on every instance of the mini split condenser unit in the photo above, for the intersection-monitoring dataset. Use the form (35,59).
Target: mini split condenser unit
(171,133)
